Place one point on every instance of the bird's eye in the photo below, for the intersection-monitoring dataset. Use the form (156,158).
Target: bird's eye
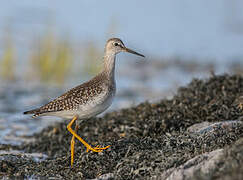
(116,44)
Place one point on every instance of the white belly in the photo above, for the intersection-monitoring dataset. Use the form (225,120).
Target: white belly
(96,106)
(92,108)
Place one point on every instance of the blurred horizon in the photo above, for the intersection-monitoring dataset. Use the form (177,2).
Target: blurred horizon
(200,29)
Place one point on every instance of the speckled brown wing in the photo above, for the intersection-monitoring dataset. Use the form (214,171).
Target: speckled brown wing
(72,99)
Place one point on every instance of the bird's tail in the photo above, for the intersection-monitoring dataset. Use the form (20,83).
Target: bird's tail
(36,112)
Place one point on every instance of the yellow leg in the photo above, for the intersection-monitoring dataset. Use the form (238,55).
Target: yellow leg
(72,150)
(72,145)
(69,127)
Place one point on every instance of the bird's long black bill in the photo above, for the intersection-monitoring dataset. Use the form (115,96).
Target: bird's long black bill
(133,52)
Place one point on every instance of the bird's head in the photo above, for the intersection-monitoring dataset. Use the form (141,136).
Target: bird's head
(115,46)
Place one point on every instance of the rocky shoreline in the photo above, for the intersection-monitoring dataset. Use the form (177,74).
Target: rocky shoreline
(198,134)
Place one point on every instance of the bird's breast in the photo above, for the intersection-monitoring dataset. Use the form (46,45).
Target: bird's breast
(96,104)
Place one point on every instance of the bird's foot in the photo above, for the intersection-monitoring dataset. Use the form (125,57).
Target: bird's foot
(97,148)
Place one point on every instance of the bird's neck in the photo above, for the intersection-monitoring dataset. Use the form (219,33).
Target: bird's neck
(109,66)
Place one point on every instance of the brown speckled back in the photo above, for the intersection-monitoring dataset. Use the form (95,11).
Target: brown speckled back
(92,97)
(75,97)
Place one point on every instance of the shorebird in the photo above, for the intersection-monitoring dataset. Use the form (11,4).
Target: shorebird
(88,99)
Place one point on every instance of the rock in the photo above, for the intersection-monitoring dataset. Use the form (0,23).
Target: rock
(107,176)
(203,163)
(206,127)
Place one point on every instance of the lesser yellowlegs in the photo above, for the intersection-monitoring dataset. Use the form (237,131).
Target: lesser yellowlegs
(88,99)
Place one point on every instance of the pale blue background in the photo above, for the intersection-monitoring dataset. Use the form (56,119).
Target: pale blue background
(201,28)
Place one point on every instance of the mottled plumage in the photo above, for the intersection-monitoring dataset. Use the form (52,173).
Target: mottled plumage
(88,99)
(75,98)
